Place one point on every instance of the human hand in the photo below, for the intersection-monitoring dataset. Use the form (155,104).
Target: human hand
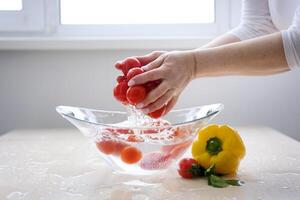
(175,69)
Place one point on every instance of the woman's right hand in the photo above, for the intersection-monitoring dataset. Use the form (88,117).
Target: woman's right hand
(148,58)
(175,69)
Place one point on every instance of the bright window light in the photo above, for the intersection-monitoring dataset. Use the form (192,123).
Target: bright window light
(10,4)
(136,11)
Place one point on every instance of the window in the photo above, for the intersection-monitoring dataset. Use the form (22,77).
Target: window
(116,19)
(11,5)
(143,18)
(136,11)
(21,15)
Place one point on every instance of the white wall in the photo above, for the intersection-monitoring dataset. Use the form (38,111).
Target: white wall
(32,83)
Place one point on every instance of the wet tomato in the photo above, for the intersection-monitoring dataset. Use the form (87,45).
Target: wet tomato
(136,94)
(158,113)
(120,91)
(131,155)
(106,146)
(133,72)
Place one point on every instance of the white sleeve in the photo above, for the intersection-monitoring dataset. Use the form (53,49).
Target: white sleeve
(255,21)
(291,42)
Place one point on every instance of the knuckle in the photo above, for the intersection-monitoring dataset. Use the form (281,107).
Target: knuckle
(167,70)
(156,53)
(151,75)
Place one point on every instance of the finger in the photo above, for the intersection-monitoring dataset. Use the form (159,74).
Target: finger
(171,104)
(153,95)
(145,59)
(154,64)
(152,75)
(160,102)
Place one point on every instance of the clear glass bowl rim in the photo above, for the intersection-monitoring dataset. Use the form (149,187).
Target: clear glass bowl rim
(219,106)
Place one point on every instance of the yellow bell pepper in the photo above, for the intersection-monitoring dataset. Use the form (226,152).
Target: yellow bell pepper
(220,146)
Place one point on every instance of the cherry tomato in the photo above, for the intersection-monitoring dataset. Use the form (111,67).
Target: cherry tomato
(120,91)
(129,63)
(136,94)
(131,155)
(121,79)
(119,146)
(185,167)
(106,146)
(132,62)
(158,113)
(120,65)
(133,72)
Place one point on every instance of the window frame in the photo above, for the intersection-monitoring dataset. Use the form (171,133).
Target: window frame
(153,30)
(29,18)
(47,32)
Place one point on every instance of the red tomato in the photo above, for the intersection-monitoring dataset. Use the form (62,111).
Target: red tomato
(133,72)
(136,94)
(132,62)
(185,167)
(131,155)
(121,79)
(119,146)
(120,91)
(106,146)
(158,113)
(129,63)
(120,65)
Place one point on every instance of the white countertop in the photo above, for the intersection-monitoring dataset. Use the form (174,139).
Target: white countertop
(61,164)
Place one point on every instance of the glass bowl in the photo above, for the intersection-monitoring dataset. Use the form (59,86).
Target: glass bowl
(134,144)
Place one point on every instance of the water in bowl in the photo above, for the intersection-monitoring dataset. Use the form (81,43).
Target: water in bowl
(136,144)
(155,148)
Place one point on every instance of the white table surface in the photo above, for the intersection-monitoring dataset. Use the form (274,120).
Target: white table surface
(61,164)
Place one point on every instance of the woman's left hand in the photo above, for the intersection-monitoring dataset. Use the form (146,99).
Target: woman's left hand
(175,69)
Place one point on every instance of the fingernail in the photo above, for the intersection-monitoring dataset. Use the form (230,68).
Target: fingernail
(146,110)
(144,68)
(140,105)
(131,83)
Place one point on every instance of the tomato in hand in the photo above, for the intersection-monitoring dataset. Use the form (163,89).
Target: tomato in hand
(136,94)
(120,65)
(133,72)
(158,113)
(130,62)
(121,79)
(120,91)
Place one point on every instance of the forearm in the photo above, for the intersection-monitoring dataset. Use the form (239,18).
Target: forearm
(259,56)
(222,40)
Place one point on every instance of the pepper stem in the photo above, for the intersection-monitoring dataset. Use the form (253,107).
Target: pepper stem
(214,146)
